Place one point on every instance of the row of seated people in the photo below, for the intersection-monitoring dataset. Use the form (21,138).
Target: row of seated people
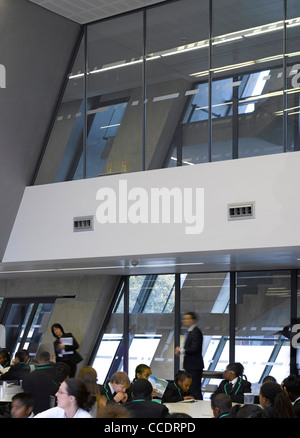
(83,396)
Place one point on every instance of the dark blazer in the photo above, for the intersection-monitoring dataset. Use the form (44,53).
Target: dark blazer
(41,385)
(73,358)
(16,372)
(297,408)
(236,392)
(146,409)
(173,393)
(106,391)
(193,350)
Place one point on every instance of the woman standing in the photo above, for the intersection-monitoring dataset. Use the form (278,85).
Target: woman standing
(65,347)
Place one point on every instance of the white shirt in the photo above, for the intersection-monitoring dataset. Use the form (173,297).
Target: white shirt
(190,329)
(57,412)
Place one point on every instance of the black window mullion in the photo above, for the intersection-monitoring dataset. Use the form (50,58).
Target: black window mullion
(232,314)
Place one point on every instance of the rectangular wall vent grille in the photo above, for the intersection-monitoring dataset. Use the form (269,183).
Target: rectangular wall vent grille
(85,223)
(243,210)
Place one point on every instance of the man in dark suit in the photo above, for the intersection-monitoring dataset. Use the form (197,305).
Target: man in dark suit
(192,351)
(142,405)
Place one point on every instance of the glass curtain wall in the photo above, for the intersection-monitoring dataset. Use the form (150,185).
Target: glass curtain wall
(179,83)
(177,45)
(65,144)
(114,95)
(262,311)
(25,321)
(291,115)
(259,315)
(247,87)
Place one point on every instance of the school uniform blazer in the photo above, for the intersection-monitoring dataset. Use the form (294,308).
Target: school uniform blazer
(237,391)
(193,350)
(16,372)
(173,393)
(106,391)
(297,408)
(146,409)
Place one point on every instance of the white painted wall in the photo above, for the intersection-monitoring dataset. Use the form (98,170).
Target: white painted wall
(43,229)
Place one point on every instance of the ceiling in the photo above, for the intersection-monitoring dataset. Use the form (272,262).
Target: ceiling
(221,261)
(87,11)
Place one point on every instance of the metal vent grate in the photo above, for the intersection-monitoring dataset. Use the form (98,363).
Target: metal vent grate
(243,210)
(85,223)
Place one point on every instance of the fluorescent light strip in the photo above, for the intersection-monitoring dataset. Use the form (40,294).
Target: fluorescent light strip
(110,126)
(95,268)
(233,36)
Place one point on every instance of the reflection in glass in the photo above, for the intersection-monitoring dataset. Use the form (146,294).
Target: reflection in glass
(114,95)
(208,296)
(262,310)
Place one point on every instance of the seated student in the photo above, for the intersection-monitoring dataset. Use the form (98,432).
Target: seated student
(291,385)
(178,389)
(88,375)
(4,361)
(275,401)
(220,405)
(27,360)
(43,363)
(233,384)
(246,411)
(115,389)
(142,405)
(19,370)
(41,382)
(22,405)
(142,371)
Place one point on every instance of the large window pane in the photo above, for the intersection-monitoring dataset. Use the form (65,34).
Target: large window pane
(247,52)
(293,81)
(152,325)
(25,322)
(262,311)
(65,145)
(208,296)
(174,54)
(115,104)
(109,350)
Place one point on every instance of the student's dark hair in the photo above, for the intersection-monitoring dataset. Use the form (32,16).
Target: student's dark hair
(269,379)
(21,355)
(26,399)
(78,389)
(246,411)
(273,392)
(221,401)
(43,355)
(182,375)
(292,385)
(56,325)
(237,368)
(140,368)
(5,354)
(61,371)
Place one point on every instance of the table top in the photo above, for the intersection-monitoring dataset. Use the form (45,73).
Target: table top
(195,408)
(7,394)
